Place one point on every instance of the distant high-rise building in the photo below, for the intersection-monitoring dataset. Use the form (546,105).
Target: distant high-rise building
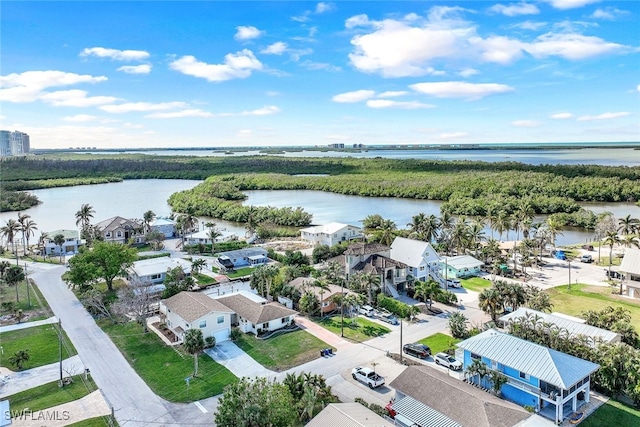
(14,143)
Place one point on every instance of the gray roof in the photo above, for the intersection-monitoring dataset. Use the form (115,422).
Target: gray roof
(447,401)
(461,261)
(116,222)
(301,283)
(351,414)
(551,366)
(365,248)
(411,251)
(147,267)
(244,253)
(67,234)
(193,305)
(253,311)
(631,261)
(573,327)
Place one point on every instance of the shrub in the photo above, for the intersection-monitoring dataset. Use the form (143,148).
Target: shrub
(447,297)
(209,342)
(396,307)
(235,334)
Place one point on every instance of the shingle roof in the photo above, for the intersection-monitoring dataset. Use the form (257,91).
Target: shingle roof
(300,282)
(631,261)
(378,263)
(551,366)
(254,312)
(351,414)
(455,400)
(116,222)
(365,248)
(411,251)
(193,305)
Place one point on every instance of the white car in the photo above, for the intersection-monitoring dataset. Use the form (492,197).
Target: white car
(450,362)
(453,283)
(366,310)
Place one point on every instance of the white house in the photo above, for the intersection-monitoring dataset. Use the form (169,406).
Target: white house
(630,267)
(330,234)
(420,256)
(164,226)
(460,266)
(193,310)
(71,243)
(154,270)
(202,237)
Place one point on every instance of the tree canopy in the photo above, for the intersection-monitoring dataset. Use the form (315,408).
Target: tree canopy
(104,261)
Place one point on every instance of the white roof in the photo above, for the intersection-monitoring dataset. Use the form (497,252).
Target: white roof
(631,261)
(204,234)
(551,366)
(421,414)
(162,221)
(151,266)
(573,327)
(411,252)
(332,227)
(461,261)
(350,414)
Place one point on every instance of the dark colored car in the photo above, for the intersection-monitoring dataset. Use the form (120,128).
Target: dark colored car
(417,350)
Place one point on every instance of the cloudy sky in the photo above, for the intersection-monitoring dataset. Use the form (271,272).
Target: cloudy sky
(213,74)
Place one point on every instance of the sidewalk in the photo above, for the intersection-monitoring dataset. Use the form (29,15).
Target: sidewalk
(26,325)
(321,333)
(24,380)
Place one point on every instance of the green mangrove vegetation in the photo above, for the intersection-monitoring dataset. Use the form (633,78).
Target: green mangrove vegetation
(16,200)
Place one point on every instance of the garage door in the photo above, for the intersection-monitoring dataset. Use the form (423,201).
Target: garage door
(221,335)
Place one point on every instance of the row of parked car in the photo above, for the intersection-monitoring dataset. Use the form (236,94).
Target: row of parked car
(423,351)
(381,314)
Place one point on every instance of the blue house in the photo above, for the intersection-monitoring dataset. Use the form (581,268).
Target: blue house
(247,257)
(552,382)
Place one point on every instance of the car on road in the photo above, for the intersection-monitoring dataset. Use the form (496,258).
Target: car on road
(366,310)
(453,283)
(417,350)
(443,359)
(386,316)
(367,376)
(586,258)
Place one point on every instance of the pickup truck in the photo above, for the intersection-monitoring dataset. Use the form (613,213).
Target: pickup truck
(367,376)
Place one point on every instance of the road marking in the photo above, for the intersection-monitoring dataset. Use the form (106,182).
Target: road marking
(202,408)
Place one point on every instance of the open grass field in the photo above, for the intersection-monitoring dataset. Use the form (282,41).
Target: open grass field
(476,284)
(358,329)
(584,297)
(42,343)
(165,368)
(284,351)
(439,342)
(613,413)
(48,395)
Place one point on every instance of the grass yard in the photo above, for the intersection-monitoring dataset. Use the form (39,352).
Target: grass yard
(361,331)
(203,280)
(613,413)
(439,342)
(283,351)
(241,272)
(95,422)
(48,395)
(476,284)
(164,368)
(584,297)
(37,310)
(42,343)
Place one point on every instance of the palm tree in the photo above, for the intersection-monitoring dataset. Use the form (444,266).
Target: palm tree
(22,219)
(188,221)
(262,278)
(386,232)
(503,223)
(631,240)
(368,281)
(19,358)
(491,302)
(611,240)
(13,276)
(553,228)
(84,215)
(628,225)
(197,265)
(147,219)
(4,265)
(475,235)
(428,291)
(251,221)
(193,343)
(323,284)
(213,234)
(9,231)
(459,234)
(41,243)
(58,239)
(28,228)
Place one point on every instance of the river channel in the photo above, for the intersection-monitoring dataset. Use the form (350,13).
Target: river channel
(131,198)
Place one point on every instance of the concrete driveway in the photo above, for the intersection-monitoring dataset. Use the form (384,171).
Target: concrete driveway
(237,361)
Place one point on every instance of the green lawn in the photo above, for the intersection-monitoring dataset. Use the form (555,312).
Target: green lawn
(164,368)
(475,284)
(31,302)
(42,343)
(361,331)
(584,297)
(613,413)
(203,280)
(283,351)
(95,422)
(48,395)
(439,342)
(241,272)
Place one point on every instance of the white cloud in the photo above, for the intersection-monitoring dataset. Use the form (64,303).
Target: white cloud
(180,114)
(244,133)
(498,49)
(311,65)
(277,48)
(457,89)
(608,13)
(115,54)
(355,96)
(264,111)
(338,137)
(515,9)
(247,33)
(387,103)
(452,135)
(529,25)
(78,118)
(75,98)
(570,4)
(638,88)
(142,107)
(392,93)
(236,66)
(570,46)
(561,116)
(357,21)
(323,7)
(273,93)
(526,123)
(135,69)
(28,86)
(468,72)
(604,116)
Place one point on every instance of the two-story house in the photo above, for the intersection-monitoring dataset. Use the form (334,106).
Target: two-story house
(630,268)
(155,270)
(120,230)
(330,234)
(421,258)
(71,243)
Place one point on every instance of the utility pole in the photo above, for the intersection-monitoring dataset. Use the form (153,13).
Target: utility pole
(26,280)
(569,261)
(400,318)
(60,348)
(342,308)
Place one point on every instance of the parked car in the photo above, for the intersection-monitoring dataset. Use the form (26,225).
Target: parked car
(367,376)
(587,247)
(450,362)
(613,274)
(386,316)
(586,258)
(453,283)
(417,350)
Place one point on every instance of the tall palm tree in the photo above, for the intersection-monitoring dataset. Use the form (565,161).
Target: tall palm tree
(41,241)
(631,240)
(22,219)
(147,219)
(459,234)
(28,229)
(475,235)
(368,282)
(84,215)
(428,291)
(9,231)
(251,221)
(323,285)
(386,232)
(491,302)
(611,240)
(188,221)
(628,225)
(553,228)
(416,226)
(503,223)
(193,344)
(58,239)
(213,234)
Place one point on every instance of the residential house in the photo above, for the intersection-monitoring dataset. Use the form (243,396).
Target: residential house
(555,384)
(71,243)
(351,414)
(630,267)
(330,234)
(247,257)
(420,257)
(193,310)
(155,270)
(428,397)
(203,238)
(325,296)
(253,314)
(120,230)
(460,266)
(165,226)
(573,326)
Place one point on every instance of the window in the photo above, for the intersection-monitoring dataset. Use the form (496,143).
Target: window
(155,276)
(285,319)
(203,324)
(265,326)
(422,268)
(524,376)
(494,365)
(220,319)
(118,233)
(326,304)
(108,234)
(476,356)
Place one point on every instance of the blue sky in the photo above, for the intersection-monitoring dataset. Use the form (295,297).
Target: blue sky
(211,74)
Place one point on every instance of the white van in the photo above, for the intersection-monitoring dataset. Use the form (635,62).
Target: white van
(366,310)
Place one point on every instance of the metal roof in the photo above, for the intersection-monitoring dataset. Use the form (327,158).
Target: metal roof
(461,261)
(351,414)
(331,228)
(631,261)
(421,414)
(551,366)
(412,252)
(159,265)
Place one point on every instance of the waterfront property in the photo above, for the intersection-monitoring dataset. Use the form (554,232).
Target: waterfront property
(460,266)
(155,270)
(247,257)
(420,257)
(120,230)
(70,246)
(165,226)
(330,234)
(203,237)
(325,296)
(555,384)
(630,267)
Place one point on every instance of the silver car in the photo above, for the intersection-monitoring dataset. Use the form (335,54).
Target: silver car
(450,362)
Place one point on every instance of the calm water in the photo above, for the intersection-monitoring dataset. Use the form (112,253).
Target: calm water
(130,199)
